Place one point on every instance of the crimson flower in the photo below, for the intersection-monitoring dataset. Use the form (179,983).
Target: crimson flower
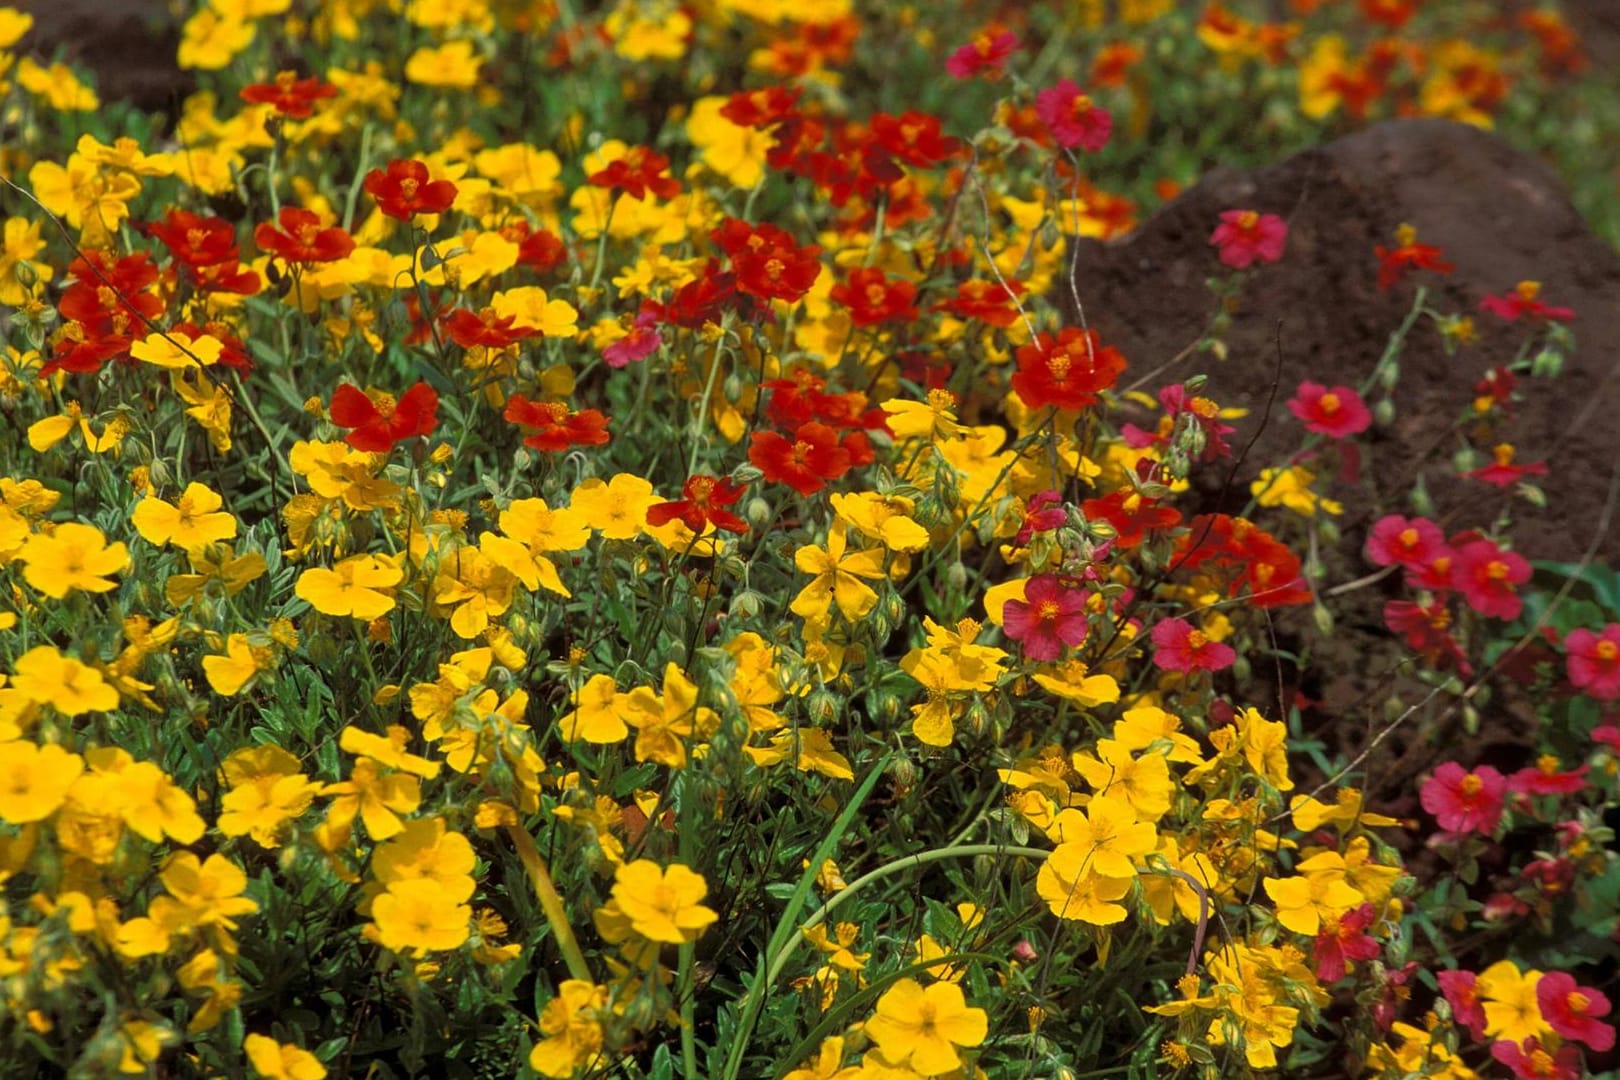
(227,277)
(1572,1011)
(1531,1061)
(1245,237)
(302,238)
(1179,646)
(763,108)
(641,342)
(805,462)
(640,170)
(1073,118)
(1463,801)
(704,504)
(1131,514)
(767,262)
(1524,303)
(1050,617)
(1503,471)
(1342,940)
(987,52)
(988,301)
(873,297)
(1546,778)
(1459,991)
(1487,577)
(913,138)
(289,95)
(379,421)
(485,328)
(1337,413)
(1427,629)
(1066,372)
(404,190)
(1043,513)
(553,427)
(195,240)
(538,249)
(1393,263)
(1593,661)
(1394,539)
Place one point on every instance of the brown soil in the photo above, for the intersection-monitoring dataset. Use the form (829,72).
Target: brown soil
(1318,314)
(129,44)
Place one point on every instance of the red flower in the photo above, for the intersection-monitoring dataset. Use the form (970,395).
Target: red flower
(1337,413)
(1178,646)
(987,301)
(195,240)
(1572,1011)
(1523,302)
(484,327)
(1342,940)
(1413,543)
(763,108)
(1487,577)
(1530,1061)
(1393,263)
(228,277)
(1502,471)
(555,427)
(640,170)
(107,306)
(1459,992)
(302,239)
(1066,372)
(289,95)
(1593,662)
(379,421)
(538,249)
(1546,778)
(1428,633)
(804,463)
(1113,62)
(703,505)
(1072,117)
(1051,616)
(873,297)
(1044,512)
(1463,801)
(641,342)
(405,190)
(767,262)
(987,52)
(914,138)
(1246,236)
(1132,515)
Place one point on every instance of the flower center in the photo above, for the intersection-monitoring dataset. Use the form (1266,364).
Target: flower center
(1248,220)
(1528,290)
(1497,570)
(1197,639)
(1577,1002)
(1471,785)
(1059,364)
(1409,538)
(1049,610)
(1329,403)
(1607,651)
(774,268)
(408,186)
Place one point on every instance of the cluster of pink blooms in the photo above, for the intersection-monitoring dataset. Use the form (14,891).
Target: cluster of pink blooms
(1483,573)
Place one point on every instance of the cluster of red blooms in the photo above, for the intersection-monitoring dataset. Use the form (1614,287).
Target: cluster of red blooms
(289,95)
(205,247)
(766,262)
(1133,515)
(105,310)
(380,420)
(1484,574)
(639,172)
(873,297)
(1067,371)
(553,427)
(1244,558)
(828,433)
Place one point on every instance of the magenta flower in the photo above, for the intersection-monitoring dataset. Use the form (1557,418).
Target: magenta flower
(1545,777)
(1572,1011)
(1593,661)
(641,342)
(1412,543)
(1466,1009)
(1530,1061)
(1072,117)
(986,52)
(1050,618)
(1178,646)
(1337,413)
(1342,940)
(1524,302)
(1488,578)
(1044,512)
(1463,801)
(1247,236)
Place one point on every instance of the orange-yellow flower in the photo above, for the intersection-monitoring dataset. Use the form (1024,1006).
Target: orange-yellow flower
(662,905)
(74,556)
(922,1027)
(357,586)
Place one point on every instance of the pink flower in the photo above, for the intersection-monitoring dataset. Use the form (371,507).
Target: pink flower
(986,52)
(1532,1062)
(1572,1011)
(1488,576)
(1247,236)
(1546,778)
(1503,471)
(1342,940)
(1072,117)
(1049,618)
(641,342)
(1412,543)
(1593,662)
(1336,413)
(1427,630)
(1458,988)
(1177,646)
(1524,302)
(1463,801)
(1607,735)
(1044,512)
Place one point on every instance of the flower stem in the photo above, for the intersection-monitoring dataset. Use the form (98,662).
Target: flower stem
(550,901)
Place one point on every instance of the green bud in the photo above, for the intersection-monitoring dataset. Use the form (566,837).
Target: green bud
(758,512)
(1323,619)
(904,772)
(1533,495)
(1389,375)
(822,708)
(884,707)
(746,605)
(733,388)
(1242,669)
(159,473)
(956,578)
(1328,531)
(1394,708)
(1384,413)
(1547,364)
(1420,501)
(746,474)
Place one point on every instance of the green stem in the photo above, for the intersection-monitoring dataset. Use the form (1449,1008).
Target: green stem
(551,903)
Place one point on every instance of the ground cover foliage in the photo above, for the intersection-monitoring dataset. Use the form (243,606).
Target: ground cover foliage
(601,541)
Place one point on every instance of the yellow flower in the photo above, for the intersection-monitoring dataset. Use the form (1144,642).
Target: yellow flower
(1144,782)
(387,750)
(281,1061)
(145,797)
(662,905)
(1291,487)
(837,577)
(531,177)
(125,153)
(1074,890)
(227,674)
(378,798)
(934,419)
(452,65)
(1107,833)
(171,350)
(572,1028)
(1305,903)
(616,508)
(74,556)
(267,791)
(735,152)
(193,521)
(357,586)
(58,85)
(665,725)
(530,308)
(13,25)
(476,587)
(417,915)
(427,851)
(923,1026)
(1509,996)
(46,677)
(642,31)
(19,243)
(595,716)
(209,40)
(210,893)
(884,518)
(34,780)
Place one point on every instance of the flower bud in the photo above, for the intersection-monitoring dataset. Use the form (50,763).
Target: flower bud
(1323,619)
(1547,364)
(1384,413)
(1419,500)
(758,512)
(1389,375)
(904,772)
(1328,532)
(822,708)
(1241,668)
(746,605)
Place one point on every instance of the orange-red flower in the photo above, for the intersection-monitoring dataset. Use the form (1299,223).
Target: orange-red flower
(485,328)
(805,462)
(767,262)
(553,427)
(1067,371)
(404,190)
(640,170)
(705,500)
(289,95)
(873,297)
(987,301)
(379,421)
(302,238)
